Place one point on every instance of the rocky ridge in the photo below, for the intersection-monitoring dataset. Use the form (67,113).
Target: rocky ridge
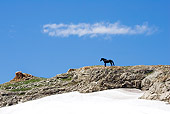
(154,80)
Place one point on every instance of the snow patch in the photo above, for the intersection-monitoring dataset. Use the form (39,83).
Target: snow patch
(117,101)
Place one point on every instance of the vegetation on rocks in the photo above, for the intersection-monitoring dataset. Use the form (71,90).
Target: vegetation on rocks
(20,85)
(155,80)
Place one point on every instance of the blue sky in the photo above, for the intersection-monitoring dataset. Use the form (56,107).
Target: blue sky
(47,37)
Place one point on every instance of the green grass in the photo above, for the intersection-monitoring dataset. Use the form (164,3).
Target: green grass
(67,79)
(6,85)
(20,83)
(150,72)
(32,80)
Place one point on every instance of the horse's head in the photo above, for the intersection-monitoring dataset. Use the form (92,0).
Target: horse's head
(102,59)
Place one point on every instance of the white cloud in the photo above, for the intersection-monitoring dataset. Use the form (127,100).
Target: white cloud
(96,29)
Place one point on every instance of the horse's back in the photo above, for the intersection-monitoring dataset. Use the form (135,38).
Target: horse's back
(110,60)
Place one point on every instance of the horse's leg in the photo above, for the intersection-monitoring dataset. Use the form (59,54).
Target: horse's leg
(105,64)
(111,63)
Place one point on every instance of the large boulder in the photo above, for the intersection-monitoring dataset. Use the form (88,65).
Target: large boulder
(157,85)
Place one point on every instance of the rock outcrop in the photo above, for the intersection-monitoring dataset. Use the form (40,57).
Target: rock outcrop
(19,76)
(157,85)
(154,80)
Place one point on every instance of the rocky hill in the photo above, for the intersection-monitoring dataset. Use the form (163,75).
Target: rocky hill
(154,80)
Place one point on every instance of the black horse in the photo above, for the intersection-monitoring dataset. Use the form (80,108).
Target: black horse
(107,61)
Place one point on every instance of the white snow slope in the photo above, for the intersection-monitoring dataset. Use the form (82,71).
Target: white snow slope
(116,101)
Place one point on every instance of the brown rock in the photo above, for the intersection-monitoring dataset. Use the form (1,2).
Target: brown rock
(70,70)
(19,76)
